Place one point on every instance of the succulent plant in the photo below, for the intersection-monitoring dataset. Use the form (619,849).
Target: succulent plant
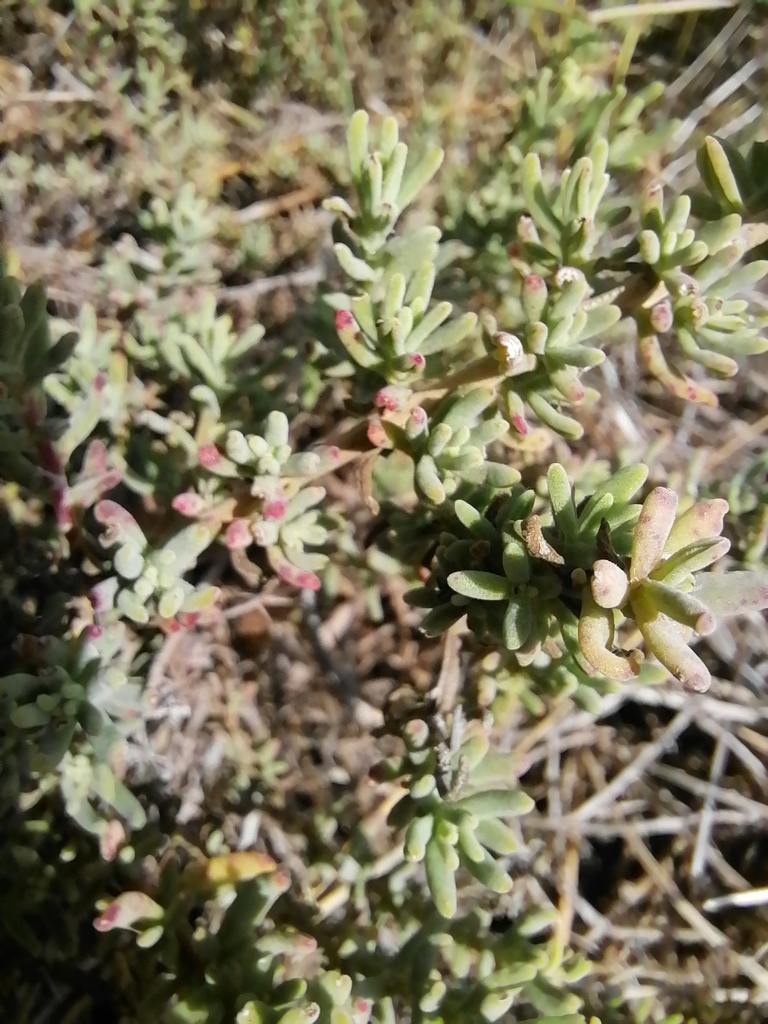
(200,346)
(71,716)
(520,577)
(734,182)
(452,817)
(448,445)
(258,489)
(170,409)
(698,275)
(559,321)
(563,113)
(149,581)
(178,254)
(96,385)
(28,354)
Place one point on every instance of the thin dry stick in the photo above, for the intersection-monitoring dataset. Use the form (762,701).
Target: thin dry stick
(714,100)
(757,740)
(750,433)
(569,741)
(725,871)
(48,96)
(710,935)
(265,208)
(446,690)
(708,707)
(637,768)
(710,53)
(568,888)
(747,898)
(553,775)
(754,764)
(664,825)
(306,278)
(259,602)
(658,7)
(663,879)
(699,858)
(727,796)
(599,926)
(163,659)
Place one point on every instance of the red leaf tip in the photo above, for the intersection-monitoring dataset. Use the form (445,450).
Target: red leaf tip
(208,456)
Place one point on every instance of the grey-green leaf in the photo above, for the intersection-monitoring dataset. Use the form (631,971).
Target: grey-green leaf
(479,585)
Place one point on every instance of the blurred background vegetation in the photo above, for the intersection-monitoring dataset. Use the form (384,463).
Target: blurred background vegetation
(154,150)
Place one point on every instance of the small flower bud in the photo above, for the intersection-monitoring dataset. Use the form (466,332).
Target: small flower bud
(416,734)
(188,504)
(526,230)
(653,201)
(237,447)
(417,422)
(188,619)
(208,455)
(111,839)
(95,461)
(346,323)
(568,275)
(390,398)
(301,578)
(102,596)
(534,296)
(520,424)
(508,349)
(324,458)
(238,535)
(662,316)
(376,433)
(609,584)
(274,506)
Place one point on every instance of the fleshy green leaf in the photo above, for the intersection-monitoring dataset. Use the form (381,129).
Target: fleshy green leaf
(561,499)
(479,585)
(680,606)
(440,878)
(609,584)
(702,521)
(128,909)
(518,620)
(497,837)
(667,640)
(732,593)
(490,874)
(496,803)
(417,835)
(596,637)
(652,531)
